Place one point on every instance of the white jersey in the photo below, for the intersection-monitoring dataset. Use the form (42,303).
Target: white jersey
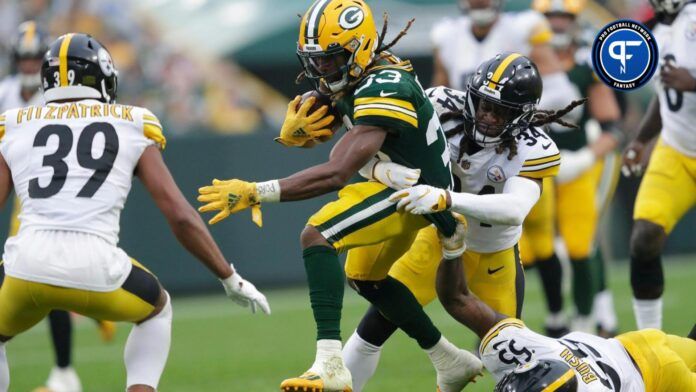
(677,43)
(485,171)
(72,165)
(11,95)
(461,52)
(599,364)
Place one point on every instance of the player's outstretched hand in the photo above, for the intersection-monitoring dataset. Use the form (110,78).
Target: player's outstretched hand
(301,128)
(454,246)
(420,199)
(228,197)
(633,159)
(245,293)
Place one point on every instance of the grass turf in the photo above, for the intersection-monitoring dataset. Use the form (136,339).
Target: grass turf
(217,346)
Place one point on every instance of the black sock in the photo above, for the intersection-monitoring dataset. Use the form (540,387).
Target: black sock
(647,277)
(375,328)
(583,286)
(61,333)
(398,305)
(692,334)
(551,274)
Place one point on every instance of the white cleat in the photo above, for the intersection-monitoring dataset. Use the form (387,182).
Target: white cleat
(329,375)
(463,369)
(62,380)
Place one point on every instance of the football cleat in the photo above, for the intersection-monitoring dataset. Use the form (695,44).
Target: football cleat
(61,380)
(465,368)
(330,376)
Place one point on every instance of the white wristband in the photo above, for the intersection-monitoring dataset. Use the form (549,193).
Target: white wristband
(268,191)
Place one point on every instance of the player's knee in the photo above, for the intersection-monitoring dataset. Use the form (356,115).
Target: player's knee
(312,237)
(647,239)
(366,289)
(141,388)
(578,250)
(163,307)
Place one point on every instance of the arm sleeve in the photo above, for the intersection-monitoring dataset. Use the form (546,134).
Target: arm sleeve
(508,208)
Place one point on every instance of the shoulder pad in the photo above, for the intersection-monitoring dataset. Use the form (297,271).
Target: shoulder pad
(497,329)
(534,26)
(446,100)
(539,153)
(152,128)
(387,93)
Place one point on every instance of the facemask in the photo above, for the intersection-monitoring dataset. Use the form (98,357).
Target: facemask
(483,17)
(561,41)
(30,81)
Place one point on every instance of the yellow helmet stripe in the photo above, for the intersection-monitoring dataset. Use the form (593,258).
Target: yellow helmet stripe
(501,68)
(313,19)
(30,33)
(63,59)
(560,381)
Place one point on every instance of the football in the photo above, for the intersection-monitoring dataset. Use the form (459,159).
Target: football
(322,100)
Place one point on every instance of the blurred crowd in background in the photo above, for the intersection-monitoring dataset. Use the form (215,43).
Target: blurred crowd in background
(190,93)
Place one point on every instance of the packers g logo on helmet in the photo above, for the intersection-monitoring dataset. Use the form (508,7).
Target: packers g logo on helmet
(351,18)
(336,44)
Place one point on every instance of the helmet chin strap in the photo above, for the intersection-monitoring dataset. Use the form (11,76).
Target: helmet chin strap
(106,95)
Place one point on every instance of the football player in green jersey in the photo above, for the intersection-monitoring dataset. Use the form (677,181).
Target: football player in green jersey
(388,115)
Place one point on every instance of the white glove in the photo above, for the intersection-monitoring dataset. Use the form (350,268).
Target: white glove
(454,246)
(574,163)
(391,174)
(245,293)
(421,199)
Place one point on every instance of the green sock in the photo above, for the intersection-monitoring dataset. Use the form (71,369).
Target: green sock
(326,284)
(396,303)
(583,286)
(599,270)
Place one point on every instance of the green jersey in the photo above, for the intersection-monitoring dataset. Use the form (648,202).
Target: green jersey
(582,76)
(390,97)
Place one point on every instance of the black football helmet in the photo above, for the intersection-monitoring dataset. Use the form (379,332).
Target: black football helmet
(546,375)
(667,8)
(77,66)
(29,43)
(508,86)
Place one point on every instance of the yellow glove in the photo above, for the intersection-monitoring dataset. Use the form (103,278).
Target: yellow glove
(229,197)
(299,128)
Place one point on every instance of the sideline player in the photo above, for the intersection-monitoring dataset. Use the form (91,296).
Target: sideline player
(571,208)
(389,115)
(463,42)
(668,189)
(71,163)
(499,159)
(522,360)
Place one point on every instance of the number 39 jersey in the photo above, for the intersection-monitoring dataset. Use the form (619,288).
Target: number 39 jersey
(485,171)
(72,164)
(677,44)
(599,364)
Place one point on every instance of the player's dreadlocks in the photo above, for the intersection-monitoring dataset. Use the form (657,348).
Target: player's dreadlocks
(540,118)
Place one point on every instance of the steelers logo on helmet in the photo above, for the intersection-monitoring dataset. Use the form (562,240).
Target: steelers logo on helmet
(105,62)
(625,55)
(351,18)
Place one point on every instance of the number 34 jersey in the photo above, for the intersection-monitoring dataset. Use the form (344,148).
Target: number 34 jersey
(599,364)
(72,164)
(485,171)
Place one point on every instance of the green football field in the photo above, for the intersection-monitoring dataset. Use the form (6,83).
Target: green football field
(218,346)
